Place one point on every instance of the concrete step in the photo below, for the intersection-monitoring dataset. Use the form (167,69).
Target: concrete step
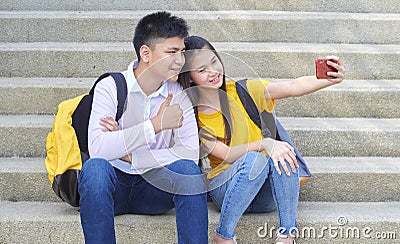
(39,95)
(352,98)
(332,137)
(321,222)
(367,6)
(24,136)
(222,26)
(335,179)
(351,137)
(25,179)
(276,60)
(352,179)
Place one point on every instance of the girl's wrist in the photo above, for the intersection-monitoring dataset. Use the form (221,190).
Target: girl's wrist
(265,145)
(260,145)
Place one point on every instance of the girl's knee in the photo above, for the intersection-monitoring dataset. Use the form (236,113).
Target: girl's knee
(294,174)
(254,160)
(254,155)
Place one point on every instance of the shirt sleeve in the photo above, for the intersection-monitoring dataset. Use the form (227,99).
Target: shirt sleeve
(184,144)
(256,89)
(116,144)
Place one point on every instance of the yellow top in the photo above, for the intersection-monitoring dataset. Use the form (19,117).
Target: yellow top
(244,130)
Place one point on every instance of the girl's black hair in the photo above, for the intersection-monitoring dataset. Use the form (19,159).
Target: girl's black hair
(197,43)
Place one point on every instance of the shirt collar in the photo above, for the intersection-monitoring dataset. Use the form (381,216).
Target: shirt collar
(133,85)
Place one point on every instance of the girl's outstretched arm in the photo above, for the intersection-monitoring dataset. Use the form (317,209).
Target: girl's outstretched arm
(306,84)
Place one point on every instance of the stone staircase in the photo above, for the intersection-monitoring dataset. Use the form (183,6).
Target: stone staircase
(54,50)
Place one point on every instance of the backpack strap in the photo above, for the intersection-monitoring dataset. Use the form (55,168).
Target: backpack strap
(122,93)
(122,90)
(269,123)
(264,120)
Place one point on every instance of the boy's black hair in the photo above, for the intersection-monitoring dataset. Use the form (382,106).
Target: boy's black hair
(158,25)
(193,43)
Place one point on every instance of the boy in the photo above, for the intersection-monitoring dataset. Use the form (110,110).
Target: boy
(145,163)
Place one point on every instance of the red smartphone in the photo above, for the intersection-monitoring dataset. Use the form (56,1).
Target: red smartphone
(322,68)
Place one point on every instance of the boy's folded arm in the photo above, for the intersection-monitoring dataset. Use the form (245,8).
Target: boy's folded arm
(117,144)
(113,144)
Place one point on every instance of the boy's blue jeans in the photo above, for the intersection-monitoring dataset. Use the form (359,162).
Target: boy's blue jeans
(106,192)
(252,185)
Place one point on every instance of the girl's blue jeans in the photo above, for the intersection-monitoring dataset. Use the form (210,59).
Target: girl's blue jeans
(252,185)
(106,192)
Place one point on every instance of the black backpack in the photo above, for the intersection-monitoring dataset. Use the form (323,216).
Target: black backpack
(270,126)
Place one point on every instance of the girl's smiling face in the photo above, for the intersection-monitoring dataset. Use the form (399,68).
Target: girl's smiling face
(205,68)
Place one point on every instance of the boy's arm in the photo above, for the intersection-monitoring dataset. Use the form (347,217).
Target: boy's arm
(185,136)
(306,84)
(112,145)
(185,146)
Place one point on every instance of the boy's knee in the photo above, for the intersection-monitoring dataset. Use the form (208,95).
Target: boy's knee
(183,177)
(185,167)
(95,164)
(95,172)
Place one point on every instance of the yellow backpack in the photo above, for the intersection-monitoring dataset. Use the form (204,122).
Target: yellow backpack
(67,143)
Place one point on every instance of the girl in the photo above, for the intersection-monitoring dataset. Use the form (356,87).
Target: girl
(250,174)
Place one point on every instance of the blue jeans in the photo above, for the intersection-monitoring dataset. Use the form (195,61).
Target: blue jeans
(106,192)
(252,185)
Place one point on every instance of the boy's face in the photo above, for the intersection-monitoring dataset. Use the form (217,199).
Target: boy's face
(166,58)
